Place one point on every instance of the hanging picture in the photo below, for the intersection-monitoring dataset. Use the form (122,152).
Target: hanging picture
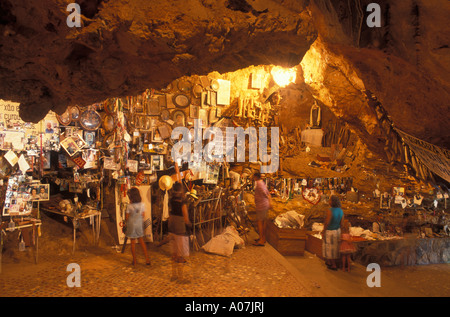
(65,118)
(165,115)
(157,163)
(70,146)
(89,138)
(109,164)
(91,158)
(204,116)
(179,118)
(18,198)
(108,123)
(132,166)
(194,111)
(385,201)
(223,92)
(181,100)
(153,108)
(79,161)
(164,131)
(212,174)
(74,112)
(90,120)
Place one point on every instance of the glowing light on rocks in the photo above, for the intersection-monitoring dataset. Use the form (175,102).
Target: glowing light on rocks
(284,76)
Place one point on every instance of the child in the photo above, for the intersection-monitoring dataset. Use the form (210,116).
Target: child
(347,247)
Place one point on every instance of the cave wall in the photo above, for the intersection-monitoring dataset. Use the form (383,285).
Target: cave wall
(124,47)
(405,63)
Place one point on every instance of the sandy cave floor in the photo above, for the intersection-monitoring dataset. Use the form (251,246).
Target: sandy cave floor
(249,272)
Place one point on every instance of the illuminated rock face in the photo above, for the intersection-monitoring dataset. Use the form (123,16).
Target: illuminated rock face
(125,47)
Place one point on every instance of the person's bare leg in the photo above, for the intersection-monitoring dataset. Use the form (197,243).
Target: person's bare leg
(133,250)
(260,232)
(262,238)
(144,248)
(343,262)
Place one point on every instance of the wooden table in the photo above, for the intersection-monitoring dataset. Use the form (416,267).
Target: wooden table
(76,218)
(33,223)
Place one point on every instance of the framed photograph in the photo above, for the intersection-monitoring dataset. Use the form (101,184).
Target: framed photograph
(179,118)
(132,166)
(90,120)
(70,146)
(157,162)
(194,111)
(212,174)
(139,104)
(398,191)
(74,112)
(17,198)
(65,118)
(109,164)
(165,115)
(110,106)
(89,138)
(108,123)
(153,108)
(385,201)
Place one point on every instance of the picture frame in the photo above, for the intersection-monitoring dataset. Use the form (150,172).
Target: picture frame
(385,201)
(165,115)
(157,162)
(39,192)
(90,120)
(179,118)
(194,111)
(153,108)
(70,146)
(17,198)
(108,123)
(65,118)
(212,174)
(89,138)
(74,112)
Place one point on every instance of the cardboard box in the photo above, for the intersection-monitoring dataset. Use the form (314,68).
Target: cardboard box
(285,240)
(313,244)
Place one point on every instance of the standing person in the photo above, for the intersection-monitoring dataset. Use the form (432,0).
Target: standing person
(262,206)
(347,247)
(331,233)
(135,223)
(178,221)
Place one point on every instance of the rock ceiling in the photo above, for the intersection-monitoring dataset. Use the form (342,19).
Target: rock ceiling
(124,47)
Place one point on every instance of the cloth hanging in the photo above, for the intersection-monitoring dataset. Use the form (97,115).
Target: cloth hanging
(165,214)
(312,136)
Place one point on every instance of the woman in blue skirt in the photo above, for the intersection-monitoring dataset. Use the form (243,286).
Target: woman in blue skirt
(135,223)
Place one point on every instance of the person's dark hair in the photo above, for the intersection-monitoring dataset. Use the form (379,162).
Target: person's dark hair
(134,195)
(257,175)
(177,187)
(177,191)
(335,201)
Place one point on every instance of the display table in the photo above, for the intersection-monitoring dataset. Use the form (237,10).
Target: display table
(314,244)
(34,223)
(94,216)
